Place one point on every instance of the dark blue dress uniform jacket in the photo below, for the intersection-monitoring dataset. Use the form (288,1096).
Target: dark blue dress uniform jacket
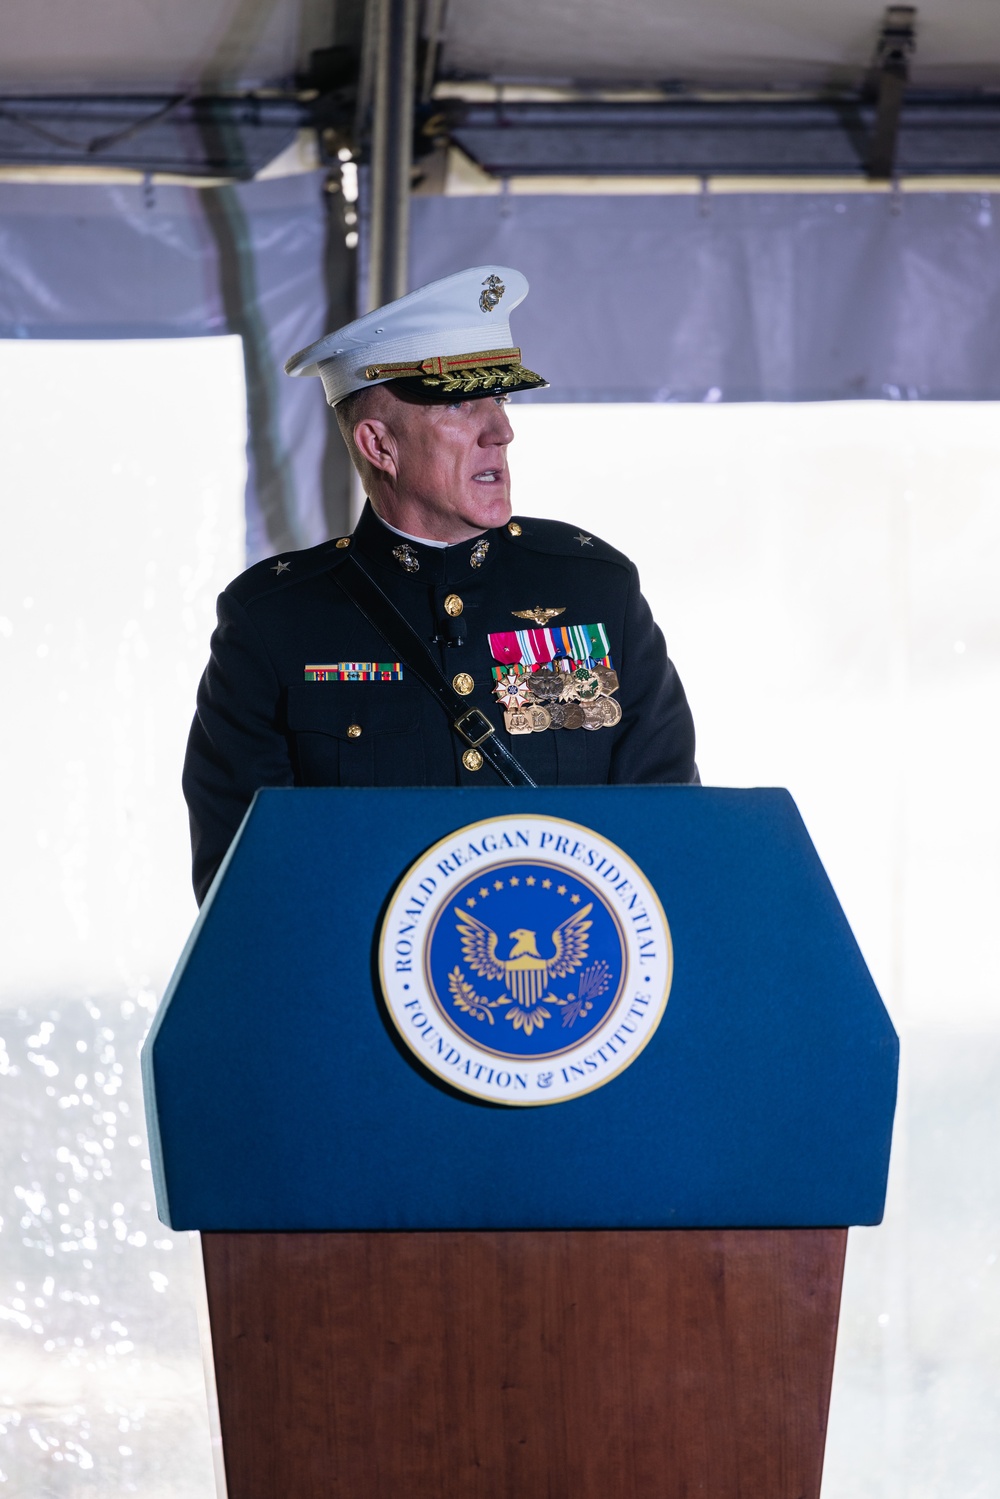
(260,723)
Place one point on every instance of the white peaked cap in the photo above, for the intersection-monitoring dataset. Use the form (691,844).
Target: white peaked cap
(451,336)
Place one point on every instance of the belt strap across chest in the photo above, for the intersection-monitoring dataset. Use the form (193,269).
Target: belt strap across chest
(471,724)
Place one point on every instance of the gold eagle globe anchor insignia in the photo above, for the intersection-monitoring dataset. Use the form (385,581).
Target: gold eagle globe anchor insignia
(489,298)
(526,975)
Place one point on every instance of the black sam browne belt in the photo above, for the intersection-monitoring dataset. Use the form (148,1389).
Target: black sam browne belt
(471,724)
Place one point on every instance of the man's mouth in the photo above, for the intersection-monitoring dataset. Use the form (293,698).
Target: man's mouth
(487,476)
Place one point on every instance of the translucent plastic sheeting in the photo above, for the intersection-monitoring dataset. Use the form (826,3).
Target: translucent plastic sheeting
(739,297)
(115,262)
(126,462)
(826,578)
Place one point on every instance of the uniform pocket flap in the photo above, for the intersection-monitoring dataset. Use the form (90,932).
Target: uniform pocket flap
(337,707)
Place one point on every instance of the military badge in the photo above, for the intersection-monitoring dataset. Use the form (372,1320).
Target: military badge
(525,960)
(539,614)
(516,722)
(511,689)
(563,674)
(355,671)
(407,558)
(490,296)
(531,719)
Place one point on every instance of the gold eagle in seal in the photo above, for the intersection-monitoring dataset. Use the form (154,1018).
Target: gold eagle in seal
(525,973)
(540,615)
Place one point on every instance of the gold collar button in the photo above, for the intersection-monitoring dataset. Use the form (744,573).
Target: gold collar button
(453,605)
(513,528)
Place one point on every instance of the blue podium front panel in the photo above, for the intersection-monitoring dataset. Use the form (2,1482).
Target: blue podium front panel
(280,1096)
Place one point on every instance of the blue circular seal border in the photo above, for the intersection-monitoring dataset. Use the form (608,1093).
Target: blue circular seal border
(454,966)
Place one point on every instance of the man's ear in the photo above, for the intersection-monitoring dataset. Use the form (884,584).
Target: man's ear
(376,445)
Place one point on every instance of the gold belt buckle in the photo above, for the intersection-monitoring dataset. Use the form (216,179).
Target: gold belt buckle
(477,717)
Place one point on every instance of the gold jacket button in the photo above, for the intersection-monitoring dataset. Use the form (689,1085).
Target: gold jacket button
(354,731)
(463,683)
(344,541)
(513,528)
(472,760)
(453,605)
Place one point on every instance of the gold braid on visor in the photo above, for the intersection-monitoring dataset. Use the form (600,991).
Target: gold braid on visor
(462,374)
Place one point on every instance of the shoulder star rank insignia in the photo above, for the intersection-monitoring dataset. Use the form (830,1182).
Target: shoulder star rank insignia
(540,615)
(585,541)
(281,567)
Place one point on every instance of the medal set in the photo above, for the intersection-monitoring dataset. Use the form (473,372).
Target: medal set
(547,698)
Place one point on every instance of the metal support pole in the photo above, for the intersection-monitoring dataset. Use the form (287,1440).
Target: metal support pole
(392,149)
(896,45)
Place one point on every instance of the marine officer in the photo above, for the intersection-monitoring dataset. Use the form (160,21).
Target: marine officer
(445,641)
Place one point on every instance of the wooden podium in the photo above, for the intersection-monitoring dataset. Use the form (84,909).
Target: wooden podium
(633,1293)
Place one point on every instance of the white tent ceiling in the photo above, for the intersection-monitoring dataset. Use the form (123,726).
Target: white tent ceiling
(153,46)
(157,46)
(726,43)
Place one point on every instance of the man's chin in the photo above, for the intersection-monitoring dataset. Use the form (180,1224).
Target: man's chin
(489,501)
(485,511)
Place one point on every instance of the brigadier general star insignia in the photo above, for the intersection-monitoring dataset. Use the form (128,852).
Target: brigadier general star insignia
(540,615)
(281,567)
(585,541)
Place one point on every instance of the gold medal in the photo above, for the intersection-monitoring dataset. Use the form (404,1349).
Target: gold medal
(580,686)
(567,716)
(516,721)
(546,686)
(602,714)
(551,698)
(588,685)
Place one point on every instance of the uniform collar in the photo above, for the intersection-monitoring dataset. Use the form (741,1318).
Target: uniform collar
(418,562)
(438,546)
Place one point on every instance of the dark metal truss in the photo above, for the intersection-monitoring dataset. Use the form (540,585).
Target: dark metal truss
(937,134)
(177,134)
(956,134)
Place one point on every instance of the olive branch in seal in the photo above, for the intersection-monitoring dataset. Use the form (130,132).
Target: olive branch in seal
(492,377)
(464,997)
(593,983)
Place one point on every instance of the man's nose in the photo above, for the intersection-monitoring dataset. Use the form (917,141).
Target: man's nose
(496,430)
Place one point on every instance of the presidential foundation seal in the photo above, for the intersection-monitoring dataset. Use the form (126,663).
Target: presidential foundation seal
(525,960)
